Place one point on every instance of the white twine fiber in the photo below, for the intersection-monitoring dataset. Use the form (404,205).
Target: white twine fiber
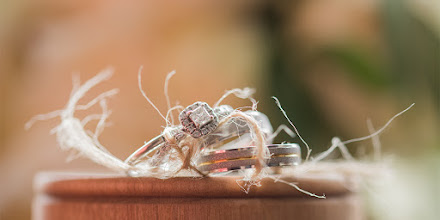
(72,136)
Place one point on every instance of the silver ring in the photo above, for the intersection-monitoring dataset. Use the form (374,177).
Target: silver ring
(200,121)
(197,120)
(244,158)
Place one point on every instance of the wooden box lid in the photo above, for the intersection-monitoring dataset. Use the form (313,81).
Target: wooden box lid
(67,195)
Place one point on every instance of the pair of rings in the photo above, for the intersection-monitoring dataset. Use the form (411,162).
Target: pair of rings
(200,121)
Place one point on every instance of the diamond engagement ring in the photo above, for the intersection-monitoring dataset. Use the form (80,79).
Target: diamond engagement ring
(199,120)
(196,120)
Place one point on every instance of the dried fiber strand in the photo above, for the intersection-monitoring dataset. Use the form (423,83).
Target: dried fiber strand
(71,134)
(181,155)
(42,117)
(309,150)
(375,140)
(245,93)
(296,187)
(167,97)
(280,128)
(344,151)
(100,97)
(326,153)
(262,152)
(347,168)
(169,115)
(76,82)
(145,95)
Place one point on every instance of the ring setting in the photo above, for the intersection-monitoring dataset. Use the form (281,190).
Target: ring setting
(220,151)
(198,119)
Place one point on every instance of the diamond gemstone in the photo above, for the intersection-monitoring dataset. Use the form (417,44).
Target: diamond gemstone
(200,116)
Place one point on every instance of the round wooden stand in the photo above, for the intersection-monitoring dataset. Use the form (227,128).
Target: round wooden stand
(108,196)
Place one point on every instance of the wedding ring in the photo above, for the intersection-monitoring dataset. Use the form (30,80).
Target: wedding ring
(201,121)
(244,158)
(196,120)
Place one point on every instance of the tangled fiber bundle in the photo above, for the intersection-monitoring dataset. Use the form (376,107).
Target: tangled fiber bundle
(72,136)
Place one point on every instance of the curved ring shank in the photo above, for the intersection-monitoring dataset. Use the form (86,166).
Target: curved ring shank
(147,148)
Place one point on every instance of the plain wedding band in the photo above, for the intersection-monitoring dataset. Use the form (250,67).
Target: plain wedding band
(244,158)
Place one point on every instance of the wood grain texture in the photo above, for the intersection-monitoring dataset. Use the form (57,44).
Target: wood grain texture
(109,196)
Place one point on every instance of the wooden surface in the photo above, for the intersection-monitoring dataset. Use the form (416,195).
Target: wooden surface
(107,196)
